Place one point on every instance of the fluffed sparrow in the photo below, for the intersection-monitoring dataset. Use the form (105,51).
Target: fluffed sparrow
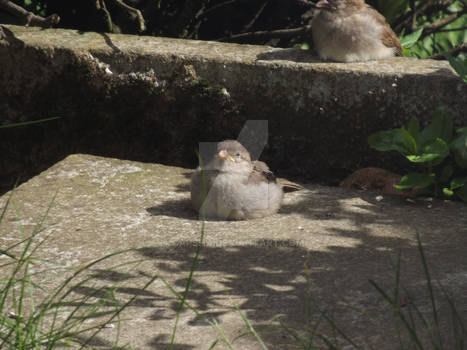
(352,31)
(233,187)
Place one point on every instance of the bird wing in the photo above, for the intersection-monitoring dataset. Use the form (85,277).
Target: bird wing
(388,37)
(289,186)
(261,172)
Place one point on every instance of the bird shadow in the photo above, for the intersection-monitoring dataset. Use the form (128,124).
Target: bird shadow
(291,54)
(178,208)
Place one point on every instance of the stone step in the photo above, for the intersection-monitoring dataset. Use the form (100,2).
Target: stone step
(153,99)
(336,237)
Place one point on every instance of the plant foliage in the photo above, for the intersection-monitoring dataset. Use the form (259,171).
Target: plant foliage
(440,150)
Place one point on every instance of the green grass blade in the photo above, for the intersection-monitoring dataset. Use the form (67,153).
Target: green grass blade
(399,313)
(458,329)
(192,270)
(223,336)
(119,311)
(293,333)
(214,343)
(250,327)
(396,295)
(340,332)
(28,123)
(430,290)
(7,204)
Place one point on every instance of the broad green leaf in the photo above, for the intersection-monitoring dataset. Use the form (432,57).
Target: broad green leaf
(447,192)
(390,140)
(462,193)
(458,182)
(440,126)
(458,65)
(409,40)
(459,147)
(433,152)
(416,180)
(446,173)
(461,161)
(414,128)
(409,142)
(453,34)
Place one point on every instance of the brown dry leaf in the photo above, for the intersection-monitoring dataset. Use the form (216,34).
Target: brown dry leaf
(377,180)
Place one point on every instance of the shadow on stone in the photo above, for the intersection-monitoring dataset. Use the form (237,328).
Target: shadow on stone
(163,342)
(179,208)
(292,54)
(109,42)
(267,279)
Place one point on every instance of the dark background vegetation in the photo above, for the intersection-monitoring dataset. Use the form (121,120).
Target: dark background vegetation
(279,23)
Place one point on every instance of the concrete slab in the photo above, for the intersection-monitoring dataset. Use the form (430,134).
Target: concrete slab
(326,239)
(153,99)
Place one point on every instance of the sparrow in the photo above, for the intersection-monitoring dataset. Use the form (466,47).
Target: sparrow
(231,186)
(352,31)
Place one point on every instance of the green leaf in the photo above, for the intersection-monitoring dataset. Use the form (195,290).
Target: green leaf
(446,173)
(416,180)
(462,193)
(409,141)
(409,40)
(447,192)
(458,65)
(459,147)
(414,128)
(461,161)
(458,182)
(389,140)
(433,152)
(440,127)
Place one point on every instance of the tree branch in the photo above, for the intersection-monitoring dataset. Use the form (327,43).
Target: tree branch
(255,17)
(269,34)
(101,6)
(427,7)
(204,13)
(453,52)
(433,27)
(137,13)
(452,29)
(30,18)
(213,8)
(187,14)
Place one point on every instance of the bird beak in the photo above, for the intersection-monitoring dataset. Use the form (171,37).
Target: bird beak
(325,5)
(223,155)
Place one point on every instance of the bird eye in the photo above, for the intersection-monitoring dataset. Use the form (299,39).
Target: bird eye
(237,155)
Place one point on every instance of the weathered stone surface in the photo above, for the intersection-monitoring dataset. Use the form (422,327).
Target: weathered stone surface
(323,112)
(336,237)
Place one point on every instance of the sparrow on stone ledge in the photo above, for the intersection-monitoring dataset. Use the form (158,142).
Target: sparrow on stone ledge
(233,187)
(352,31)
